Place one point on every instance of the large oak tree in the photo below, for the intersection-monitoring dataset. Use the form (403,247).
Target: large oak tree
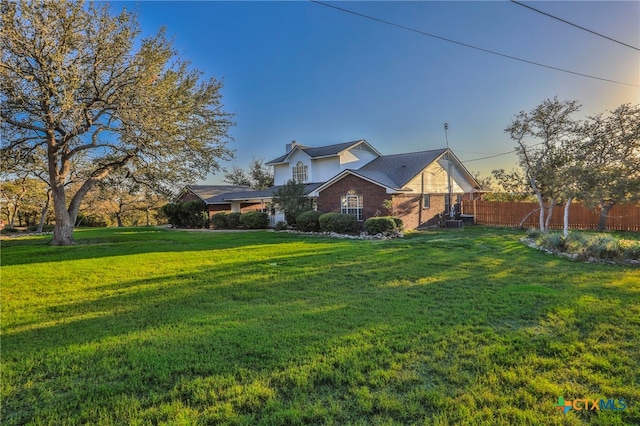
(76,81)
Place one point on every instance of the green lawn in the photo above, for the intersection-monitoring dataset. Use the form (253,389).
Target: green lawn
(148,326)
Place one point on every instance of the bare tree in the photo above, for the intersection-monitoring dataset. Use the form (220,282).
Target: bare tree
(73,84)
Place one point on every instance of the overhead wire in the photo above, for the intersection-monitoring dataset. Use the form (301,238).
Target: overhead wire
(501,154)
(574,25)
(490,156)
(404,27)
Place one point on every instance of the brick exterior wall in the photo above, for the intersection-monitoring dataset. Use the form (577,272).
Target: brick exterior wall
(186,197)
(407,207)
(217,208)
(329,200)
(250,207)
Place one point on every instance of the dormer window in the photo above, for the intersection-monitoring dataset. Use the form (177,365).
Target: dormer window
(300,172)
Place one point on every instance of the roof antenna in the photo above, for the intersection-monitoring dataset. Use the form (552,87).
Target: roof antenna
(452,211)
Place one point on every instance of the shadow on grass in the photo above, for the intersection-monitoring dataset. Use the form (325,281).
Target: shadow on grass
(406,330)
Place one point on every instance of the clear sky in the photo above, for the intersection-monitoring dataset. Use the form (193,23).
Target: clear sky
(298,70)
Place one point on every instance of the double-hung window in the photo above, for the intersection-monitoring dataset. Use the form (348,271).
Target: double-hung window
(352,204)
(426,201)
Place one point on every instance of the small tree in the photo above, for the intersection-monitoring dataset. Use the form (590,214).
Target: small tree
(553,130)
(610,159)
(510,186)
(292,200)
(258,176)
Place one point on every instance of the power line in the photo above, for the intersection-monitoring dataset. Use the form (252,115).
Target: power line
(501,154)
(574,25)
(490,156)
(393,24)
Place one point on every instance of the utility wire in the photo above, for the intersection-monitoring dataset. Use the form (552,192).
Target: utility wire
(490,156)
(362,15)
(574,25)
(501,154)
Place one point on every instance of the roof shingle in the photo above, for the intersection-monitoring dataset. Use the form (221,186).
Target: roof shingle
(396,170)
(321,151)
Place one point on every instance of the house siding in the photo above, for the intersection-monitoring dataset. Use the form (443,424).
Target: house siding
(325,168)
(329,199)
(408,207)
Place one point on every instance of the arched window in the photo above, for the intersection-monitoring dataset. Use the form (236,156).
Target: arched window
(300,172)
(351,203)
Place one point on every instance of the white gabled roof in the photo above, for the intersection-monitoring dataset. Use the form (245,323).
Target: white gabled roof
(323,151)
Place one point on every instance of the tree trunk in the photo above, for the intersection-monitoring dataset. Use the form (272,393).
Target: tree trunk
(63,230)
(45,210)
(12,216)
(542,211)
(566,218)
(547,222)
(119,220)
(605,208)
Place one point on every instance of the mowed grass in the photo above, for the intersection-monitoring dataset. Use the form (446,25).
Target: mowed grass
(149,326)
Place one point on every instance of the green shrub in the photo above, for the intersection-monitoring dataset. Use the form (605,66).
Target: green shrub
(553,241)
(338,222)
(602,246)
(233,220)
(399,223)
(575,243)
(379,225)
(255,220)
(192,214)
(219,221)
(308,221)
(280,226)
(629,249)
(533,233)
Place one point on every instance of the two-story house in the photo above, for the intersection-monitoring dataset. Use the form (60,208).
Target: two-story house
(355,178)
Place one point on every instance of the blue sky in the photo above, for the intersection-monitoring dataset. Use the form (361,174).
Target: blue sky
(301,71)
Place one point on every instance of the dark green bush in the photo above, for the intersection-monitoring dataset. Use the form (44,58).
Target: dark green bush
(255,220)
(379,225)
(338,222)
(219,221)
(192,214)
(308,221)
(399,223)
(90,221)
(233,220)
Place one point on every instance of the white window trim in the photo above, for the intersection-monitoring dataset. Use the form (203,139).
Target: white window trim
(351,203)
(300,172)
(427,198)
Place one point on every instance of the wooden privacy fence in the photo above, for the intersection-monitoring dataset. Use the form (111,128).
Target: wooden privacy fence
(623,217)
